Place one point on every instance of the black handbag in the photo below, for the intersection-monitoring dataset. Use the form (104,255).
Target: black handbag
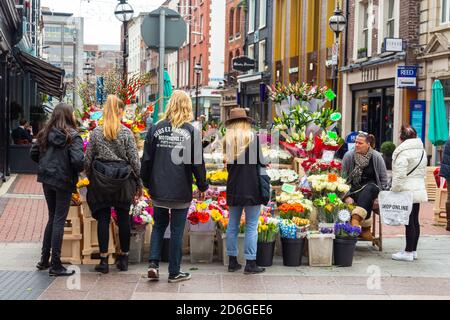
(264,184)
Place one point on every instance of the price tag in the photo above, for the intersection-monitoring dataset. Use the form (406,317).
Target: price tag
(288,188)
(328,156)
(336,116)
(330,95)
(344,215)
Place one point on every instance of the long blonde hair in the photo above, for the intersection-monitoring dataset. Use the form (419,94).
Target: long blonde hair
(111,117)
(238,137)
(179,109)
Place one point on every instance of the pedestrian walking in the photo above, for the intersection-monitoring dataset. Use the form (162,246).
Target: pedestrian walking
(59,152)
(445,173)
(365,171)
(113,169)
(242,153)
(408,174)
(173,154)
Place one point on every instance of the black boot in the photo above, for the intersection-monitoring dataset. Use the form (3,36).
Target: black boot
(58,270)
(233,265)
(103,267)
(122,262)
(252,268)
(44,264)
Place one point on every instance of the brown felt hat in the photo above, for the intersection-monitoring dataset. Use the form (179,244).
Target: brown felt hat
(238,114)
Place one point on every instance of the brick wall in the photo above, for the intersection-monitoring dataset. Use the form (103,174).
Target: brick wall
(410,27)
(238,42)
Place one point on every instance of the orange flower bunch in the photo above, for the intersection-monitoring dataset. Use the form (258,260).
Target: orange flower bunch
(332,177)
(297,207)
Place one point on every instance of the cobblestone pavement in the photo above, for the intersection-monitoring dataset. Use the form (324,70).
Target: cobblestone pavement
(373,274)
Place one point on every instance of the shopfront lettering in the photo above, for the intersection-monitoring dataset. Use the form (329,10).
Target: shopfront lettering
(369,74)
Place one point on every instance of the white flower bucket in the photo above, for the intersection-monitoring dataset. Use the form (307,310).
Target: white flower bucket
(320,250)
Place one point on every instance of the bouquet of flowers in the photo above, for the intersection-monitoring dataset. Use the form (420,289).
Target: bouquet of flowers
(317,167)
(325,183)
(290,198)
(278,92)
(328,208)
(278,177)
(289,230)
(346,230)
(141,214)
(198,213)
(267,229)
(217,177)
(301,222)
(278,156)
(288,211)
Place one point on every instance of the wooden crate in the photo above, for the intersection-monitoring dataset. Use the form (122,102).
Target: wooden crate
(73,221)
(90,237)
(281,166)
(71,249)
(86,211)
(431,184)
(440,212)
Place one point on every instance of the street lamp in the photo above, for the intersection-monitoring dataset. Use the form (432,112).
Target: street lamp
(198,70)
(87,69)
(337,24)
(124,13)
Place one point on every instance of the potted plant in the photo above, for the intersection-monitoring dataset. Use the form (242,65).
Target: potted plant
(344,244)
(292,242)
(141,215)
(267,233)
(387,149)
(362,53)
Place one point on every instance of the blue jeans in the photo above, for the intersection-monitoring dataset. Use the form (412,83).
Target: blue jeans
(251,231)
(177,222)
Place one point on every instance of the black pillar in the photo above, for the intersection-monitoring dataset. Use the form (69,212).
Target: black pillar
(4,134)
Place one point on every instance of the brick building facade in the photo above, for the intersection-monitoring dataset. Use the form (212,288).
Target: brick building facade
(371,100)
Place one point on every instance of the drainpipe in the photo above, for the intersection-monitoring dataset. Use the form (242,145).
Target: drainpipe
(347,14)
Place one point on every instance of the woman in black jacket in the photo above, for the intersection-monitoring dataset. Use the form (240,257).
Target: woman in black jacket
(172,154)
(113,168)
(59,152)
(242,153)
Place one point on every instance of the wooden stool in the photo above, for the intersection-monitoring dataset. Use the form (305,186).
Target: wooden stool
(377,240)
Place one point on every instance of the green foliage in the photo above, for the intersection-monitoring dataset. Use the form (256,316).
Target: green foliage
(387,148)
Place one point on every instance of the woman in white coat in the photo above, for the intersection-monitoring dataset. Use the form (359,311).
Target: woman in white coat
(409,163)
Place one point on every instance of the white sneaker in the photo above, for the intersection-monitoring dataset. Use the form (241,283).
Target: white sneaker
(403,256)
(415,255)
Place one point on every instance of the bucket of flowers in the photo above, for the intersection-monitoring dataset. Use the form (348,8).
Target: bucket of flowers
(267,233)
(323,184)
(345,243)
(292,242)
(328,208)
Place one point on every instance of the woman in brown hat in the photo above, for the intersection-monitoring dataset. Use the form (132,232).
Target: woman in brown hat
(241,148)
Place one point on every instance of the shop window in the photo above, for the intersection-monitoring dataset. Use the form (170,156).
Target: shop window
(390,23)
(262,13)
(445,11)
(262,56)
(251,16)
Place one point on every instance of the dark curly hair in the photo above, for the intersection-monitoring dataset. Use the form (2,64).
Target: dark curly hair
(407,132)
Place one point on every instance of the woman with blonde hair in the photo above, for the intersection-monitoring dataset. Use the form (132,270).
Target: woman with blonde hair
(172,155)
(113,168)
(244,190)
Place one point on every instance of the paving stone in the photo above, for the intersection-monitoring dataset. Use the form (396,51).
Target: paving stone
(64,295)
(243,284)
(202,284)
(23,285)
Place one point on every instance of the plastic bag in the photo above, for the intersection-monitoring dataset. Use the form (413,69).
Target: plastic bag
(395,207)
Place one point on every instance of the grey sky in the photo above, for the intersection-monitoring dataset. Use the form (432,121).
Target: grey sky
(100,24)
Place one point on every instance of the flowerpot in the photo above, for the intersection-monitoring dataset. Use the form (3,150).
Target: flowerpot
(202,246)
(264,254)
(320,248)
(344,249)
(222,248)
(292,251)
(209,226)
(136,253)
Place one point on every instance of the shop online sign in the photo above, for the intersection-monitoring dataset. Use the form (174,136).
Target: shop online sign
(407,77)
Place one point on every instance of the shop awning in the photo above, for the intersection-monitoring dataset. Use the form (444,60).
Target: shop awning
(50,79)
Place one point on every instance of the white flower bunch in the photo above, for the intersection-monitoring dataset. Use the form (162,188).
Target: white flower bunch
(289,198)
(321,183)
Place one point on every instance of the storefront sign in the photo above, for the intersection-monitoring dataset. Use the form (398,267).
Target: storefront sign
(417,117)
(243,64)
(393,45)
(369,74)
(407,77)
(293,70)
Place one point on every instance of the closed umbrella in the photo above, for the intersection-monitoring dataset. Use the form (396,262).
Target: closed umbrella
(167,94)
(438,127)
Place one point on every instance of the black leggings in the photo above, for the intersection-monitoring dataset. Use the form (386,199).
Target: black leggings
(104,220)
(413,229)
(366,197)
